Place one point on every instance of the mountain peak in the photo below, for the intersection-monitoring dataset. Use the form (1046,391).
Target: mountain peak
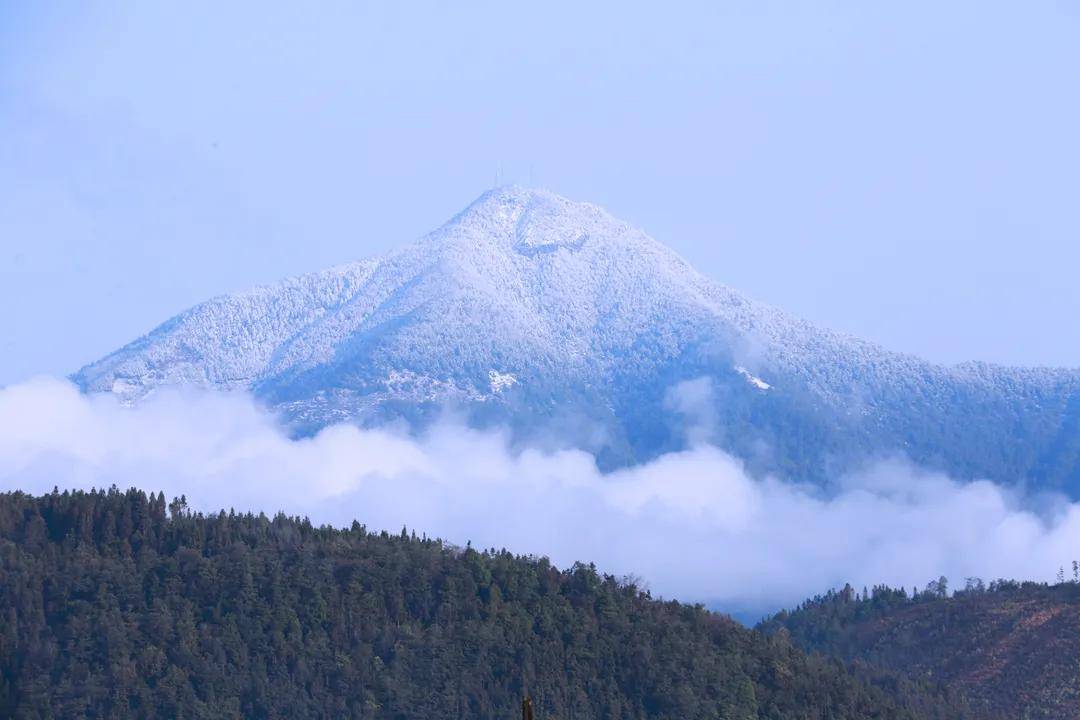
(511,197)
(533,221)
(531,310)
(514,193)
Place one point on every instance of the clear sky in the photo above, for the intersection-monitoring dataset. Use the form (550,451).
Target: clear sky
(911,176)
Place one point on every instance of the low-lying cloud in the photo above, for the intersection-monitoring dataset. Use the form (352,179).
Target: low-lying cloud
(693,524)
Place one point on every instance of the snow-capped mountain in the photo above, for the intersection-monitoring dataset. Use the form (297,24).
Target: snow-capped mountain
(568,325)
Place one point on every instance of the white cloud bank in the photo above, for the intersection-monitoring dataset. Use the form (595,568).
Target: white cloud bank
(693,524)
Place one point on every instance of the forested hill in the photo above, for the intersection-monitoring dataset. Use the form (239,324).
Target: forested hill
(118,606)
(1013,648)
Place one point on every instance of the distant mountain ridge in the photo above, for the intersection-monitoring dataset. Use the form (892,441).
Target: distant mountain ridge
(557,320)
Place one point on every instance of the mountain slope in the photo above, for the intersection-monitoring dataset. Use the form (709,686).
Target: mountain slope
(113,609)
(560,321)
(1012,650)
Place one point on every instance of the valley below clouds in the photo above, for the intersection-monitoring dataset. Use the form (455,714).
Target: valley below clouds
(693,525)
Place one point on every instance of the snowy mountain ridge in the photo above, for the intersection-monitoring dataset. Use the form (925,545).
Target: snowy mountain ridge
(528,309)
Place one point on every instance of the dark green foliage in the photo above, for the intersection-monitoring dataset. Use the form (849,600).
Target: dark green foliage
(116,605)
(1009,649)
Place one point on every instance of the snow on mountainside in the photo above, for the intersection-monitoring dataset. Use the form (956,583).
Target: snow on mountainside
(530,310)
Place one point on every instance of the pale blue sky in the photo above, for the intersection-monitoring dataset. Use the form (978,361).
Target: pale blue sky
(911,175)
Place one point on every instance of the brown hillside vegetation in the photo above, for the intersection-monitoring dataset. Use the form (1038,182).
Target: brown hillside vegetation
(1013,650)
